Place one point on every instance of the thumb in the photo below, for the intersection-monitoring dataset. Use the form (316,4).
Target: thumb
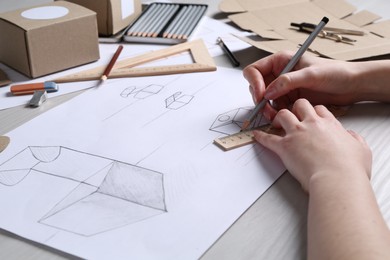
(269,141)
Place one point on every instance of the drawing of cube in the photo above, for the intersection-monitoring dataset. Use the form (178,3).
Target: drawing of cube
(231,122)
(127,195)
(142,93)
(53,160)
(108,194)
(177,101)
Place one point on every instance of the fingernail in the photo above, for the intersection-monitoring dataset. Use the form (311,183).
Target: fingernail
(269,93)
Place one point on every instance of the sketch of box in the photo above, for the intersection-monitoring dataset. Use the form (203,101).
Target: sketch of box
(177,100)
(231,122)
(109,194)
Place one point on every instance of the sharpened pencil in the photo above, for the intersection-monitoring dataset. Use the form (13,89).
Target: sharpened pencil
(158,19)
(141,21)
(165,20)
(175,23)
(148,21)
(194,22)
(175,34)
(290,65)
(187,22)
(111,64)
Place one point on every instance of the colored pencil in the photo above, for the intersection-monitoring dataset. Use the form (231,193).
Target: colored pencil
(111,64)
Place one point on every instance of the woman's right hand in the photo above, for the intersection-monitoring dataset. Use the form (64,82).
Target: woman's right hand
(319,80)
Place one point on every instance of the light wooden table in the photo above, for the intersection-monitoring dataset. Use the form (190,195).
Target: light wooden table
(274,227)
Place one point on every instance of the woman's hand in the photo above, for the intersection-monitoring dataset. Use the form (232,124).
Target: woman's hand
(321,81)
(316,145)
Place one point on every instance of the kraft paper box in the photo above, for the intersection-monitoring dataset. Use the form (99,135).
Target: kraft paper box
(112,15)
(48,38)
(271,21)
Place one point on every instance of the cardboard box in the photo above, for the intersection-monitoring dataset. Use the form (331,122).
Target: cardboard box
(112,15)
(48,38)
(271,21)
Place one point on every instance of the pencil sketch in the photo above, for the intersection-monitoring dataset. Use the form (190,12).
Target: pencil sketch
(138,94)
(177,100)
(107,194)
(231,122)
(141,93)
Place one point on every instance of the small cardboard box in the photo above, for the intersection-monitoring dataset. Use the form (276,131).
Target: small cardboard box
(112,15)
(48,38)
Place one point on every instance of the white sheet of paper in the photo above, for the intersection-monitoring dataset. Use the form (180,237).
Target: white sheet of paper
(129,170)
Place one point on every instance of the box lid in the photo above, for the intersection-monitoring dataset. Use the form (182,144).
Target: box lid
(43,15)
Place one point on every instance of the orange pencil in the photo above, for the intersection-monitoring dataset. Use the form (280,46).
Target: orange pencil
(112,63)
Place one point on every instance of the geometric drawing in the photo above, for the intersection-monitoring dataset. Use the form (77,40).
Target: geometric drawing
(127,92)
(176,101)
(108,194)
(141,93)
(231,122)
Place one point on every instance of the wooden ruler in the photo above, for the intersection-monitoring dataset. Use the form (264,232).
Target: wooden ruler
(125,68)
(246,137)
(243,138)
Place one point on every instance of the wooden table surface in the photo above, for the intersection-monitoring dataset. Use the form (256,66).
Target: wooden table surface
(274,227)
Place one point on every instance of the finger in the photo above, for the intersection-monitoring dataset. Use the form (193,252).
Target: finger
(269,141)
(263,66)
(269,112)
(282,102)
(262,72)
(303,109)
(256,82)
(358,137)
(304,78)
(285,119)
(252,94)
(322,111)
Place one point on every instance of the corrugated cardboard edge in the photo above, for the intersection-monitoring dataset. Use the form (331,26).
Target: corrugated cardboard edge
(362,18)
(237,6)
(338,9)
(380,28)
(248,21)
(231,6)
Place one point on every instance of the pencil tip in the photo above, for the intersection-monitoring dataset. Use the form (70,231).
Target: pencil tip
(245,125)
(104,77)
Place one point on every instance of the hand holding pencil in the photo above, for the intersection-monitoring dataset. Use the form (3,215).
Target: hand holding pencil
(294,60)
